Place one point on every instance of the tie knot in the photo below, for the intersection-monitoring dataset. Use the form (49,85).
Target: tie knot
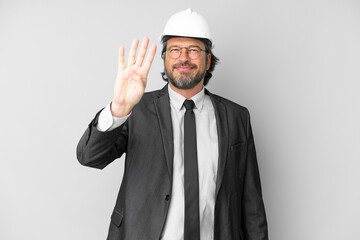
(189,104)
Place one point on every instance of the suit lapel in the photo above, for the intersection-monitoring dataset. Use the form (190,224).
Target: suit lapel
(162,106)
(222,131)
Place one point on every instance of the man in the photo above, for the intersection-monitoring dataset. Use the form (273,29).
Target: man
(190,170)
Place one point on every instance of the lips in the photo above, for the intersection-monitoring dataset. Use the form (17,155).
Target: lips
(184,67)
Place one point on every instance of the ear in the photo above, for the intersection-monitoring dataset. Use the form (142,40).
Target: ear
(208,61)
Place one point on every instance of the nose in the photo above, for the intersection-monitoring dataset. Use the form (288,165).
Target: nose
(184,56)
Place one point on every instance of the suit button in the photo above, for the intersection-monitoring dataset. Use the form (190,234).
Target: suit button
(167,198)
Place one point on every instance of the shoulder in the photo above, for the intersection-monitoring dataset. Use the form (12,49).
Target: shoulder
(231,107)
(149,97)
(146,104)
(238,116)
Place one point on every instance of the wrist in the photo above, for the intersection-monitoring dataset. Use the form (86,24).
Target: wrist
(120,110)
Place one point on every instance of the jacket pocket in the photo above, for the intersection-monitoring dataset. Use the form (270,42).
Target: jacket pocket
(117,217)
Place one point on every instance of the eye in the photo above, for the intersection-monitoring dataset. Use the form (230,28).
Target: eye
(174,50)
(193,50)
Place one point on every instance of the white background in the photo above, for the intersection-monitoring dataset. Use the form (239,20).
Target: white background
(294,63)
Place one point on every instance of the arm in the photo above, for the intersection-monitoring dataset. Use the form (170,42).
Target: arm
(254,217)
(97,148)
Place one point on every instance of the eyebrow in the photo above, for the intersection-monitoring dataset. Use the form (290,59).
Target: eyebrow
(186,47)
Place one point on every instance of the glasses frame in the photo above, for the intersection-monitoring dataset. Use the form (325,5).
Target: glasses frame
(187,51)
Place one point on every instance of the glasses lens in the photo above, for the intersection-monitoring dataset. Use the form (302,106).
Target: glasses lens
(175,52)
(194,52)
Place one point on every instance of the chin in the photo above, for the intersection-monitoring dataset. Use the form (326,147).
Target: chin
(187,83)
(185,80)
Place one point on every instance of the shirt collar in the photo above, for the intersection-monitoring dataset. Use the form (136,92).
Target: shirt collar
(177,100)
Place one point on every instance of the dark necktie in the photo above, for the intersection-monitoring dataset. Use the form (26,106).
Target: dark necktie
(191,179)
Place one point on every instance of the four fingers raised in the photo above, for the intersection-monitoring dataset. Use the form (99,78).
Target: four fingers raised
(141,55)
(131,79)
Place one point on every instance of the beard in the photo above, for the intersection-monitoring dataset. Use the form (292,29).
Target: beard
(184,80)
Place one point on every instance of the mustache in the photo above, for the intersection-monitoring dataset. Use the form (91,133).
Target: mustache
(184,65)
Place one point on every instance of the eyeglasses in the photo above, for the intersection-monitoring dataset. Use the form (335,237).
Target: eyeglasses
(193,52)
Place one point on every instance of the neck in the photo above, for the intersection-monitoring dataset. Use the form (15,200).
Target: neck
(188,93)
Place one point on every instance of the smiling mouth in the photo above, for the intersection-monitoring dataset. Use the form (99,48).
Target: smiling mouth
(184,68)
(181,67)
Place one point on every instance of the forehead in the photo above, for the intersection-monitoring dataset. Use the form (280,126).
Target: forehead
(184,42)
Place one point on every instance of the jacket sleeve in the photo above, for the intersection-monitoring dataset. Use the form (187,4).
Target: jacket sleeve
(97,149)
(254,217)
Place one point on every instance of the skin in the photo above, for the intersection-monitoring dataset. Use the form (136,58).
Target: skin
(184,69)
(131,79)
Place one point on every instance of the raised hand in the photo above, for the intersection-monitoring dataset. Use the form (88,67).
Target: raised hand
(131,79)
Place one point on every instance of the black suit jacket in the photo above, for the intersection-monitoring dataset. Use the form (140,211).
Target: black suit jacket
(146,138)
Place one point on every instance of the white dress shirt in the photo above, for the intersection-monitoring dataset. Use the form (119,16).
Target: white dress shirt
(207,150)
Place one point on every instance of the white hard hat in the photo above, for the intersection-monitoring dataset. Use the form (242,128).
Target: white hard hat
(187,23)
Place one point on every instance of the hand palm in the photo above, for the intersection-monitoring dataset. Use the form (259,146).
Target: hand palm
(131,79)
(130,85)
